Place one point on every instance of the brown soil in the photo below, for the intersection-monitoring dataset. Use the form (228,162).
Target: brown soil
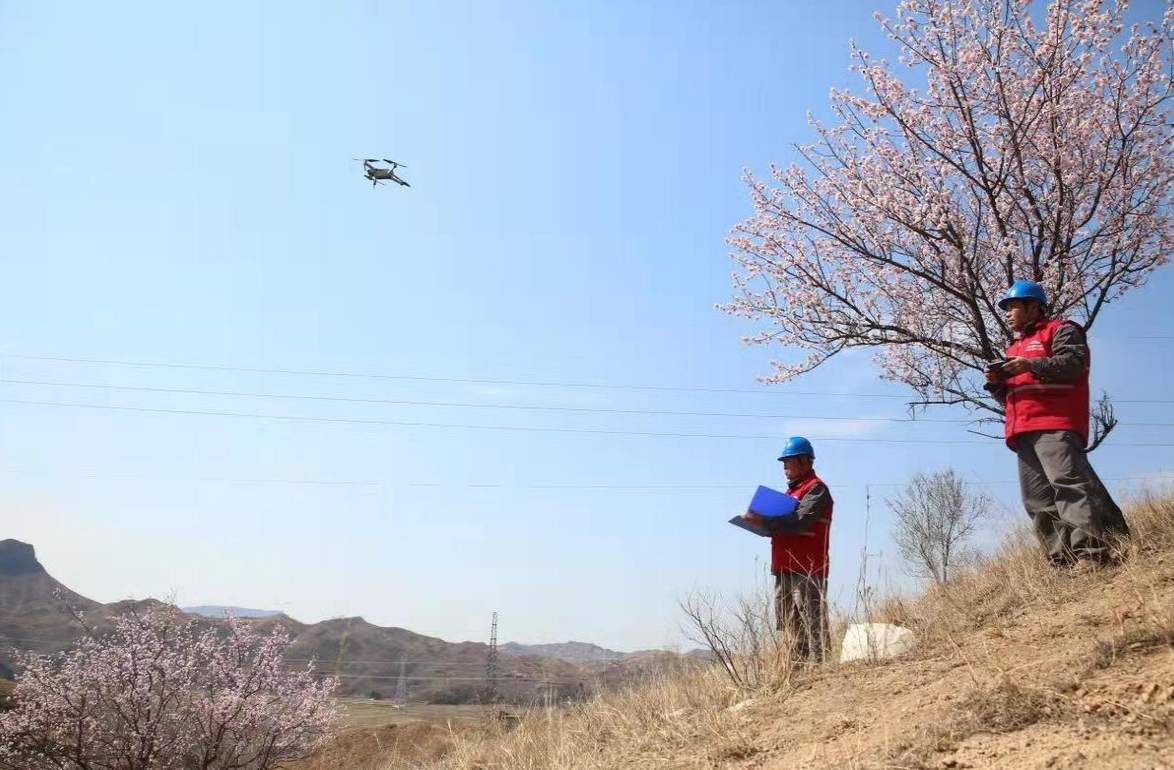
(375,748)
(1086,682)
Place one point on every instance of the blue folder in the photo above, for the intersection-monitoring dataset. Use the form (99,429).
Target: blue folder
(738,521)
(770,502)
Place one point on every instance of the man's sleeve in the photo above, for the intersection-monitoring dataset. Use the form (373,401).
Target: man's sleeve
(1069,356)
(998,391)
(813,507)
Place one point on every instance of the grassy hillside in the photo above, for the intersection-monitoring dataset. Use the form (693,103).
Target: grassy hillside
(1018,666)
(34,615)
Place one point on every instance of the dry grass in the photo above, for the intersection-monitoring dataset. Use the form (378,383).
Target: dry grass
(377,735)
(1017,580)
(375,748)
(652,723)
(1014,658)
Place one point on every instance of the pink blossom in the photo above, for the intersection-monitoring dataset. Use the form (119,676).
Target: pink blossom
(160,692)
(1004,150)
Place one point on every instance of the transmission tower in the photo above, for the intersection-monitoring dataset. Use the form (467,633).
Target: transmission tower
(401,686)
(491,694)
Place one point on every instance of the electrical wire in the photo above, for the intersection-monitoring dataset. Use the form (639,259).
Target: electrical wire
(466,405)
(419,378)
(516,428)
(478,381)
(520,407)
(473,426)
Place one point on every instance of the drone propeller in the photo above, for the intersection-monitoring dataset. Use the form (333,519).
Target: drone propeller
(392,162)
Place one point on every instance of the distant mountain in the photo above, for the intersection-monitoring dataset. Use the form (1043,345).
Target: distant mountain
(33,606)
(25,585)
(367,659)
(218,611)
(572,651)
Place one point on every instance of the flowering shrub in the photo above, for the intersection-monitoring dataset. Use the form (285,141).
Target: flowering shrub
(161,692)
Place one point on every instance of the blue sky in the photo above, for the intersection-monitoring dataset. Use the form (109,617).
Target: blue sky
(176,186)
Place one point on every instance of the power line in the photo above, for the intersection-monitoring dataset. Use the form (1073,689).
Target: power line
(1163,477)
(378,483)
(499,485)
(442,678)
(395,662)
(67,647)
(345,661)
(516,428)
(484,381)
(520,407)
(466,405)
(417,378)
(524,680)
(518,679)
(471,426)
(513,676)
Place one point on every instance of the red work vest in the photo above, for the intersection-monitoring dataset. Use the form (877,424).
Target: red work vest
(1034,404)
(806,551)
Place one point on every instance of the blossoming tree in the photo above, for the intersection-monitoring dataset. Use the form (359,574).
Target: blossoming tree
(160,692)
(1039,147)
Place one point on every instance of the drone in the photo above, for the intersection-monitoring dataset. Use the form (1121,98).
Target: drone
(379,175)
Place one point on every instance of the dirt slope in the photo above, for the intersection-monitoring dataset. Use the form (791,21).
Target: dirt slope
(1085,683)
(1019,666)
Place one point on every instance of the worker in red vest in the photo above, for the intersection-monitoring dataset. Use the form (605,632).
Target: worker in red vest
(1043,386)
(799,554)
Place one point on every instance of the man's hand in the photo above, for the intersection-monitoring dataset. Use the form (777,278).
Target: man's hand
(1014,366)
(752,518)
(992,376)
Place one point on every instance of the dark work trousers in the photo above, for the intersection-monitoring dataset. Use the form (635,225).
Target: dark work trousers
(1116,528)
(801,614)
(1064,497)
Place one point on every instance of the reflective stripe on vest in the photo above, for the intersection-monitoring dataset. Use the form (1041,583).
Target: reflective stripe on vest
(1041,386)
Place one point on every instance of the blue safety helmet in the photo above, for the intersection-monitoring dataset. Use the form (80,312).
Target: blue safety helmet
(1024,290)
(797,446)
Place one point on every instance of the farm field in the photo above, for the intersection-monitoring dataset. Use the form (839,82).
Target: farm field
(364,712)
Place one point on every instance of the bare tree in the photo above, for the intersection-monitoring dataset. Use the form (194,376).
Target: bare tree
(741,635)
(934,519)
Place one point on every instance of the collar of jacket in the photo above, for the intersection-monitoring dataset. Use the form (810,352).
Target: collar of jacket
(801,479)
(1031,327)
